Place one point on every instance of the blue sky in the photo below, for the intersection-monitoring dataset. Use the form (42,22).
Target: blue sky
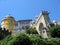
(28,9)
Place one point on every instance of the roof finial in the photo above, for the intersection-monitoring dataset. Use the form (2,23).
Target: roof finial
(9,14)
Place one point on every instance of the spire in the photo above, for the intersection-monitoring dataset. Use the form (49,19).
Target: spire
(9,15)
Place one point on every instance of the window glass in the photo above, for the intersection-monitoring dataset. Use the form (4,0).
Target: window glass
(43,31)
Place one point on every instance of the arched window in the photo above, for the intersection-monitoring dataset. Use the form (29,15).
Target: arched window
(40,27)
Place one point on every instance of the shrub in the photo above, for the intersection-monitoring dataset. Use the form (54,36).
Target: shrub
(20,39)
(6,40)
(4,33)
(55,31)
(23,39)
(31,31)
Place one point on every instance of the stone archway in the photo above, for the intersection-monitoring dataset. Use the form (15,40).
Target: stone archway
(40,27)
(43,30)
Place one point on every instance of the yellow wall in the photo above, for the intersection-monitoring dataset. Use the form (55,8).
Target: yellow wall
(8,23)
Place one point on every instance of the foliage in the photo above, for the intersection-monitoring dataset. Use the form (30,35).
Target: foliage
(4,33)
(20,39)
(23,39)
(6,40)
(52,24)
(31,31)
(55,31)
(41,41)
(30,38)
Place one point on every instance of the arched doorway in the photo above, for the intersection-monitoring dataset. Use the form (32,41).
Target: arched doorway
(40,27)
(43,31)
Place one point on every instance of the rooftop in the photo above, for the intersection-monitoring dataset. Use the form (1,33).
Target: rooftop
(25,20)
(8,16)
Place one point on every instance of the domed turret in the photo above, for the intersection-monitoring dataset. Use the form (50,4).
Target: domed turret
(8,16)
(8,23)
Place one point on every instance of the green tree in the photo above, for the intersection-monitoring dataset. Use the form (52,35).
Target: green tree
(20,39)
(6,40)
(31,31)
(55,31)
(4,33)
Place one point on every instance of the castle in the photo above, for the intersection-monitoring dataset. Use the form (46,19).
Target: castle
(41,24)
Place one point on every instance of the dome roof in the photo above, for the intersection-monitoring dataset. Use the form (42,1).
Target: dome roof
(8,16)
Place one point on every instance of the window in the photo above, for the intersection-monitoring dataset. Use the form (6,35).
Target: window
(43,31)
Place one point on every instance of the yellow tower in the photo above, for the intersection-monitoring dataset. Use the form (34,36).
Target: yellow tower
(8,23)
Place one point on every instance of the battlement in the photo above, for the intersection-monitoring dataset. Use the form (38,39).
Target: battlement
(44,12)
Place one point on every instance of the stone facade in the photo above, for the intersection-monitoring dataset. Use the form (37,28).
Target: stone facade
(20,25)
(8,23)
(56,22)
(41,22)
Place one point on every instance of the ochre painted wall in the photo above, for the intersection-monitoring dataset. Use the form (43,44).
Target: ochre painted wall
(8,23)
